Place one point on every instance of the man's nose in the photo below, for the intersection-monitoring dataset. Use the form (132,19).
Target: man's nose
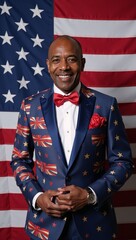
(64,64)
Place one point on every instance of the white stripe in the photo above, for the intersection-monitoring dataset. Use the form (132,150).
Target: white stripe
(129,122)
(5,152)
(130,184)
(16,218)
(8,185)
(95,28)
(110,63)
(12,218)
(133,149)
(126,214)
(123,94)
(8,120)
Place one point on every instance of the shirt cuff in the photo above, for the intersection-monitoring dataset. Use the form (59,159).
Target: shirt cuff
(95,197)
(34,201)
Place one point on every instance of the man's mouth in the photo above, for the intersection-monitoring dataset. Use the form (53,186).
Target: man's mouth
(64,77)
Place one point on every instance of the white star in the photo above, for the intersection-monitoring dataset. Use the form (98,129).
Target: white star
(22,54)
(5,8)
(36,11)
(37,69)
(7,67)
(21,25)
(23,83)
(9,97)
(37,41)
(6,38)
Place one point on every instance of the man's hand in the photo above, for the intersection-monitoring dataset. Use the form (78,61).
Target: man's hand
(46,202)
(72,196)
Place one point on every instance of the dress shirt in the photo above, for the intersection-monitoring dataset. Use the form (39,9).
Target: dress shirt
(66,116)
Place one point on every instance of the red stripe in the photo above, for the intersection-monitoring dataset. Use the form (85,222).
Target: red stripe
(104,10)
(7,136)
(113,45)
(109,79)
(5,169)
(124,199)
(13,201)
(5,140)
(131,133)
(127,231)
(13,234)
(16,201)
(127,108)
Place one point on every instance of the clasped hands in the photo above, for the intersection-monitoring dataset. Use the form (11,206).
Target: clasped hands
(58,202)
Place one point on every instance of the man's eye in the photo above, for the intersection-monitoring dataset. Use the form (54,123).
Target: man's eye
(56,60)
(72,59)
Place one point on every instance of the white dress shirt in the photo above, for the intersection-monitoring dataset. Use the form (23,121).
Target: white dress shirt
(67,115)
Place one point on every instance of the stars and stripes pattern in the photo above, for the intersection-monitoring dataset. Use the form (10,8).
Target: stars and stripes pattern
(106,30)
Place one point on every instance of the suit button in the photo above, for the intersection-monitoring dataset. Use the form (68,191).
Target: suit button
(68,179)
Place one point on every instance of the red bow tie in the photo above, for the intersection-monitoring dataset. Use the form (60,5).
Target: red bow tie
(60,99)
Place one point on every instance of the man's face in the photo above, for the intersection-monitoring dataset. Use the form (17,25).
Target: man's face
(65,64)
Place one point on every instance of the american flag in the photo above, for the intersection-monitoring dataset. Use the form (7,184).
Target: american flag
(107,31)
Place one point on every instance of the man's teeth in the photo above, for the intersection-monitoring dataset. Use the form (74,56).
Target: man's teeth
(61,76)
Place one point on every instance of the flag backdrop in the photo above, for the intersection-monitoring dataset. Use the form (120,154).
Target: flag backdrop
(107,31)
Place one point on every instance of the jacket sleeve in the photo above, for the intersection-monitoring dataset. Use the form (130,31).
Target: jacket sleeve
(118,156)
(22,156)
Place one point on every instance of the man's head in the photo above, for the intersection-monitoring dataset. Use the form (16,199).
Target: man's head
(65,62)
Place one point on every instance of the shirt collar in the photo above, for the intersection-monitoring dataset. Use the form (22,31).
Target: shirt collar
(57,90)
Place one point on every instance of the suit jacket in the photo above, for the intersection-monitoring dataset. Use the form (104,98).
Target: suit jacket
(100,158)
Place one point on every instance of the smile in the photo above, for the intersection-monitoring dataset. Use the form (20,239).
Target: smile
(64,77)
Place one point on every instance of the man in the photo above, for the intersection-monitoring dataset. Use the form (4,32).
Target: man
(69,195)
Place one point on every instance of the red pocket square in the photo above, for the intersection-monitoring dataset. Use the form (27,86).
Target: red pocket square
(97,121)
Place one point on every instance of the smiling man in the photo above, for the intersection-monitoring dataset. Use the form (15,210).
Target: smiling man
(72,130)
(65,63)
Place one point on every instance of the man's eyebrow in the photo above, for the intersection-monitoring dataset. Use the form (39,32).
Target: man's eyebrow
(55,56)
(59,56)
(72,55)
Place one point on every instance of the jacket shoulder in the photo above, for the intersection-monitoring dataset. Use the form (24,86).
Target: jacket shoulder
(35,98)
(102,95)
(90,91)
(102,100)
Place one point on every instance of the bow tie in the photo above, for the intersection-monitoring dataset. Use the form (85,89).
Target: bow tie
(60,99)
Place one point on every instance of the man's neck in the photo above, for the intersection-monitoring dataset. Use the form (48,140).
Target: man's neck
(57,90)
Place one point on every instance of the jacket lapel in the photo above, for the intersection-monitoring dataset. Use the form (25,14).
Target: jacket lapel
(48,109)
(86,109)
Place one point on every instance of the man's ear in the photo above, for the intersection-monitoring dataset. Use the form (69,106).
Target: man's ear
(83,64)
(47,63)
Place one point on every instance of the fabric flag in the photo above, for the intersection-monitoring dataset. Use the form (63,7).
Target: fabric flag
(106,30)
